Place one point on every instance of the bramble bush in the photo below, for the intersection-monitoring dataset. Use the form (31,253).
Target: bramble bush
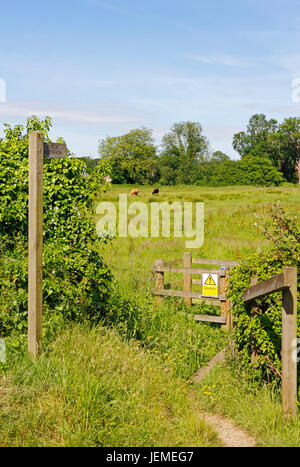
(261,334)
(77,283)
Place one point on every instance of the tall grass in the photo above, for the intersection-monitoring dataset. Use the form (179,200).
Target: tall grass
(230,233)
(93,389)
(256,409)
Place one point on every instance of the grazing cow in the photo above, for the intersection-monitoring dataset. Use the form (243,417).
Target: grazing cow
(155,191)
(134,192)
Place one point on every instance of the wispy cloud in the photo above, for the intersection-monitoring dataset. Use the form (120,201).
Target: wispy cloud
(289,62)
(286,109)
(69,115)
(225,60)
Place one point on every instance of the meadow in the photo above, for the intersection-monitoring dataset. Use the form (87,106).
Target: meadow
(229,226)
(127,382)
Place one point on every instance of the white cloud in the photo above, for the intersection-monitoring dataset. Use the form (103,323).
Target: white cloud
(287,109)
(289,62)
(226,60)
(68,115)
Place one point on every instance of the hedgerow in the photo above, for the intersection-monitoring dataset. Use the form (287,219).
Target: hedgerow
(258,338)
(76,282)
(250,170)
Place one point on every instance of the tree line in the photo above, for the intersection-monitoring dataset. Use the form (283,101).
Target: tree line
(269,155)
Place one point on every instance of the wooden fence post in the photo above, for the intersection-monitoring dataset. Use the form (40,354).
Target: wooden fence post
(35,243)
(226,304)
(159,281)
(187,277)
(289,335)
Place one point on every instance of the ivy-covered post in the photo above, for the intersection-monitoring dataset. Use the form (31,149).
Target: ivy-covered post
(226,304)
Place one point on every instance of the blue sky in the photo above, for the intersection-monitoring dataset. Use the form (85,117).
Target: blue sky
(101,68)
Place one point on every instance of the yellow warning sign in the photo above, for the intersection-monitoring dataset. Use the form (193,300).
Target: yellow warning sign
(210,285)
(210,281)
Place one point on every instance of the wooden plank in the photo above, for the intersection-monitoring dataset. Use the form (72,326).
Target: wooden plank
(35,243)
(54,150)
(189,270)
(159,281)
(176,293)
(172,262)
(274,284)
(289,339)
(181,293)
(207,301)
(171,285)
(221,262)
(210,318)
(187,277)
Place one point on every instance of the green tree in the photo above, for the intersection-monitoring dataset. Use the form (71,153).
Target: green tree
(132,156)
(187,146)
(89,163)
(278,142)
(219,156)
(255,139)
(288,138)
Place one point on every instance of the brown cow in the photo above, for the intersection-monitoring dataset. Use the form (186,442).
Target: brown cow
(134,192)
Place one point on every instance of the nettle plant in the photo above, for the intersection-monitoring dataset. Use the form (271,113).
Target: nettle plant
(258,338)
(76,283)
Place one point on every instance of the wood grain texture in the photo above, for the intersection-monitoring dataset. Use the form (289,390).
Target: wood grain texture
(35,244)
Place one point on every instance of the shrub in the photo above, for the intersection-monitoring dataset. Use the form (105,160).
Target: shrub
(261,334)
(247,171)
(76,283)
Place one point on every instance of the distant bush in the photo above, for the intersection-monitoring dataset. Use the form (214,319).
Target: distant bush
(247,171)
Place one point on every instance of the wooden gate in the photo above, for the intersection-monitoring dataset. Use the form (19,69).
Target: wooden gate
(213,281)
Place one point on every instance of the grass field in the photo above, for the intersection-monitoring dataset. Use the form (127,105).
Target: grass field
(229,233)
(128,384)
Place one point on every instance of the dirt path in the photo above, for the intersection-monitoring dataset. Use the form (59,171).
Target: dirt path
(205,369)
(229,433)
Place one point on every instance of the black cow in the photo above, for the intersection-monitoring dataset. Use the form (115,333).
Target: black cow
(155,191)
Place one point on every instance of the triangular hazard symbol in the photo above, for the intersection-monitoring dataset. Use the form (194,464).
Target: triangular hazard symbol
(210,281)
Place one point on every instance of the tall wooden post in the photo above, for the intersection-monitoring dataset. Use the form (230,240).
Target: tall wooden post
(289,336)
(159,281)
(35,243)
(225,305)
(187,278)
